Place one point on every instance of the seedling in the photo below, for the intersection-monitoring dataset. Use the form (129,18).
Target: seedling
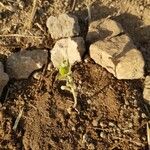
(65,73)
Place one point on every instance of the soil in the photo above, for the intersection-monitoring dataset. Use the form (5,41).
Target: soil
(112,113)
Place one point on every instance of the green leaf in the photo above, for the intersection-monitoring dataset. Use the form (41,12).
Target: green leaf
(64,68)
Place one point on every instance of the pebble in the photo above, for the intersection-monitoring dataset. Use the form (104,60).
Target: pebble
(73,129)
(50,66)
(85,138)
(135,102)
(111,124)
(141,7)
(126,102)
(95,123)
(89,101)
(21,4)
(102,124)
(36,75)
(143,138)
(130,125)
(102,135)
(91,146)
(143,115)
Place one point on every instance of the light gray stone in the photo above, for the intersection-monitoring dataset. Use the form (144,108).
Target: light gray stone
(21,64)
(146,92)
(64,25)
(119,56)
(100,29)
(71,49)
(3,78)
(130,66)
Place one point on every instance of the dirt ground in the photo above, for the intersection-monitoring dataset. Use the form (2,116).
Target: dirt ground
(113,114)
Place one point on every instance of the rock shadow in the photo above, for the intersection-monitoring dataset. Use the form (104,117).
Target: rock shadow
(139,33)
(132,25)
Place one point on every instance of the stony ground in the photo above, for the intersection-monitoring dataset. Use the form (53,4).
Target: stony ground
(113,114)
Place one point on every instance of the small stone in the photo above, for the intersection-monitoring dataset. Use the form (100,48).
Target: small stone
(3,78)
(111,124)
(91,146)
(21,64)
(130,125)
(64,25)
(102,135)
(143,138)
(146,91)
(89,101)
(100,29)
(119,56)
(141,7)
(49,67)
(21,4)
(126,102)
(102,124)
(95,123)
(71,49)
(37,75)
(135,103)
(80,82)
(85,138)
(143,115)
(73,129)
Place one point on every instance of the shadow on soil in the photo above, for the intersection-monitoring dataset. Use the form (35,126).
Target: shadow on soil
(133,26)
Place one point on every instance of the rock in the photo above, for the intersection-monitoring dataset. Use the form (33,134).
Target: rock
(3,78)
(119,56)
(21,64)
(63,26)
(146,92)
(70,48)
(131,66)
(146,16)
(100,29)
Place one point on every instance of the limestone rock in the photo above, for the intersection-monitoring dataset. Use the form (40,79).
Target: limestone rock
(70,48)
(21,64)
(146,92)
(3,78)
(63,26)
(100,29)
(119,56)
(146,16)
(130,66)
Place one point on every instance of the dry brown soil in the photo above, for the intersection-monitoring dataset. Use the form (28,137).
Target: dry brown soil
(112,113)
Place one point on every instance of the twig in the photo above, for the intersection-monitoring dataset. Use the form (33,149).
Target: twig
(7,93)
(6,7)
(148,135)
(21,35)
(32,14)
(89,4)
(73,5)
(126,140)
(17,120)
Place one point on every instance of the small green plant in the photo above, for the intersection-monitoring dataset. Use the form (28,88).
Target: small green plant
(65,73)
